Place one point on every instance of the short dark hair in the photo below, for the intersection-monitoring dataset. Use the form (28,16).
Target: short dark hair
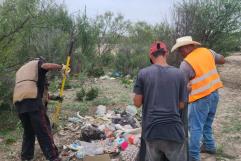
(159,52)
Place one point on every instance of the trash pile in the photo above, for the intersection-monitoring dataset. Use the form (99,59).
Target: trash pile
(107,136)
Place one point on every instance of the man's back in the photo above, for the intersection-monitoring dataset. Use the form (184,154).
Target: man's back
(163,88)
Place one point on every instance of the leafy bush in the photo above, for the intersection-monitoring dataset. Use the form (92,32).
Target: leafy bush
(92,94)
(6,93)
(80,94)
(107,59)
(96,72)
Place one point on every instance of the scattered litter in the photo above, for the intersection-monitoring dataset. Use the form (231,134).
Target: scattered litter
(91,132)
(125,119)
(101,110)
(74,120)
(124,145)
(108,134)
(130,154)
(131,110)
(80,154)
(106,77)
(74,146)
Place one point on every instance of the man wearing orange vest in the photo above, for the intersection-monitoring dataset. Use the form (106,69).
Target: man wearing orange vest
(199,67)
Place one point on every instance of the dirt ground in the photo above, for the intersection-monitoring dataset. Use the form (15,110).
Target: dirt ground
(227,123)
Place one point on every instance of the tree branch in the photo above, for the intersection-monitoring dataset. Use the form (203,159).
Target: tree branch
(15,30)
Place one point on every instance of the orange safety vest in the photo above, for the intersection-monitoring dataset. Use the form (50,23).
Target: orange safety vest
(207,78)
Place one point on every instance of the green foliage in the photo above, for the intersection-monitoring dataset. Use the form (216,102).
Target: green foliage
(54,84)
(82,107)
(214,23)
(10,139)
(103,101)
(67,84)
(6,92)
(107,60)
(80,94)
(130,61)
(126,81)
(96,72)
(92,93)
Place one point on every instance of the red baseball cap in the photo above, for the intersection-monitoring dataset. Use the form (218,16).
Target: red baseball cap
(157,46)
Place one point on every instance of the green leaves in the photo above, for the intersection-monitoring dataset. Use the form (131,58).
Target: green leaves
(210,22)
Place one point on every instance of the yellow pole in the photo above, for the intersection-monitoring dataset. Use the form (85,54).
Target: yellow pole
(59,104)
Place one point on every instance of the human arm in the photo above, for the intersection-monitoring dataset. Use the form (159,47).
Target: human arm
(138,100)
(51,66)
(183,91)
(219,59)
(189,74)
(138,90)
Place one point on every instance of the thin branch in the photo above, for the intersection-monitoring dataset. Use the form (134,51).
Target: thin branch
(15,30)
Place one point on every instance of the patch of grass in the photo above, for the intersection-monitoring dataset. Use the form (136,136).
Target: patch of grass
(233,127)
(67,84)
(54,84)
(11,129)
(124,98)
(8,121)
(221,155)
(76,85)
(103,101)
(83,107)
(10,139)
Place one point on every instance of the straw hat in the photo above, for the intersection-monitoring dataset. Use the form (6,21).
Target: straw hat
(182,41)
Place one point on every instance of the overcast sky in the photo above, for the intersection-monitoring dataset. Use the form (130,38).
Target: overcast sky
(151,11)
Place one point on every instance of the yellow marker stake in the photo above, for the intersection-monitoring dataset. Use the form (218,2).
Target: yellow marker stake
(59,104)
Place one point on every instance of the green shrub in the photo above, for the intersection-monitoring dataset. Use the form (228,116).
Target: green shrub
(67,84)
(96,72)
(80,94)
(54,84)
(92,94)
(107,59)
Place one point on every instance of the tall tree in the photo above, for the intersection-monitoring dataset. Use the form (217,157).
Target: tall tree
(215,23)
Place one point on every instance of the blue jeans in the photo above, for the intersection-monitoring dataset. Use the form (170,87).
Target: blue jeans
(201,114)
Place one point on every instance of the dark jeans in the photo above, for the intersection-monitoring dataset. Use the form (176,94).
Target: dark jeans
(161,150)
(37,124)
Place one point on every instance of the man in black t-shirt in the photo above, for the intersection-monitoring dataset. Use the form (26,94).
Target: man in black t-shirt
(162,90)
(31,110)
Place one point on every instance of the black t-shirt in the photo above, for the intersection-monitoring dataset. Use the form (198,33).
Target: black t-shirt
(162,89)
(29,105)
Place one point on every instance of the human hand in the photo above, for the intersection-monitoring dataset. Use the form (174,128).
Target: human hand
(65,70)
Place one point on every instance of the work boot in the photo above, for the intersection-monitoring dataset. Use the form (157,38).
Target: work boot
(204,150)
